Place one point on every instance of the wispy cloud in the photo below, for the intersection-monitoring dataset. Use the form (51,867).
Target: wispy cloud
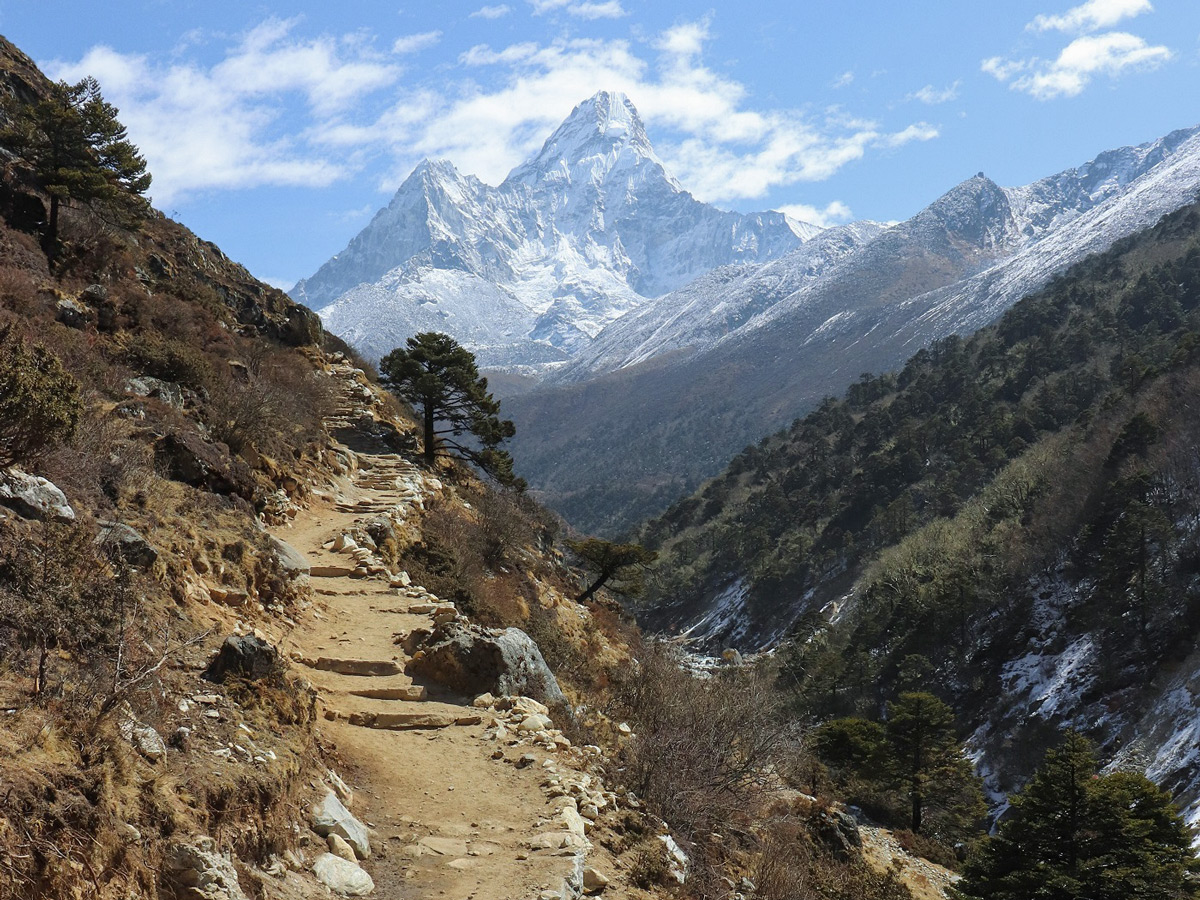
(411,43)
(708,133)
(280,109)
(1091,16)
(492,12)
(933,96)
(1080,62)
(584,9)
(835,213)
(844,80)
(219,127)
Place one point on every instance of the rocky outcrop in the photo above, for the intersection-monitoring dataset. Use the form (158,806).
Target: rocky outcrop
(291,560)
(243,656)
(474,660)
(203,872)
(330,816)
(33,497)
(121,540)
(189,458)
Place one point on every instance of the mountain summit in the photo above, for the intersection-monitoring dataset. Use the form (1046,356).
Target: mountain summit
(527,273)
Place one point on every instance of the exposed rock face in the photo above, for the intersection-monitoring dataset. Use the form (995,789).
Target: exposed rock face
(330,816)
(476,660)
(203,872)
(290,559)
(188,458)
(838,831)
(243,657)
(342,876)
(144,738)
(168,392)
(33,497)
(120,539)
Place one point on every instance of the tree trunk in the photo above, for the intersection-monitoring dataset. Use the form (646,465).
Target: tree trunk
(596,585)
(430,439)
(50,239)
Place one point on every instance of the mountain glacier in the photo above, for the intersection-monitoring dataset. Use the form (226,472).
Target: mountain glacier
(529,272)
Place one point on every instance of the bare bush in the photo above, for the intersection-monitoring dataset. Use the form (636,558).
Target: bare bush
(705,748)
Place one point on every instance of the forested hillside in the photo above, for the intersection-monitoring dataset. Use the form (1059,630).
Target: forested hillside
(1010,520)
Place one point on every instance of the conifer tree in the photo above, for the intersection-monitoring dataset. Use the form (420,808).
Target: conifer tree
(439,376)
(620,566)
(927,762)
(1077,835)
(79,152)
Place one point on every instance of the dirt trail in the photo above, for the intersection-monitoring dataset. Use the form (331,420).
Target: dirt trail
(448,819)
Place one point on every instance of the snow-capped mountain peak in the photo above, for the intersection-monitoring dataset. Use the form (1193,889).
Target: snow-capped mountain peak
(602,135)
(573,239)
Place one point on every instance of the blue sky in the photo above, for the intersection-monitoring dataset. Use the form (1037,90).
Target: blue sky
(276,130)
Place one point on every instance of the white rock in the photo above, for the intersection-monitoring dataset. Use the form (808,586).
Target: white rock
(342,876)
(331,817)
(339,847)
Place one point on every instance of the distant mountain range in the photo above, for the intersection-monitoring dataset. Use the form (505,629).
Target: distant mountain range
(527,273)
(666,395)
(665,334)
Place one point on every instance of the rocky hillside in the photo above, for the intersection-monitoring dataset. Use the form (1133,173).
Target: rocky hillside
(1009,521)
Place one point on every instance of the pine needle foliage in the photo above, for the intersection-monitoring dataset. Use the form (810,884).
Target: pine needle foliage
(79,152)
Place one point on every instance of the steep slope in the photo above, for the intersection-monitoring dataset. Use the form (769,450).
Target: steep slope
(575,237)
(1010,521)
(950,269)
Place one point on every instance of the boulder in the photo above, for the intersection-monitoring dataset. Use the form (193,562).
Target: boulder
(594,881)
(144,738)
(474,660)
(33,497)
(338,847)
(290,559)
(203,872)
(302,328)
(73,314)
(342,876)
(123,541)
(838,832)
(330,816)
(187,457)
(244,656)
(168,392)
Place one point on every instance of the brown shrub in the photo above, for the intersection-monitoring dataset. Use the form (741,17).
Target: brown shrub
(705,748)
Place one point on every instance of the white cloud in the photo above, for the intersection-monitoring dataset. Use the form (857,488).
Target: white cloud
(219,128)
(280,109)
(1079,63)
(492,12)
(709,135)
(584,9)
(1091,16)
(411,43)
(835,213)
(933,96)
(843,80)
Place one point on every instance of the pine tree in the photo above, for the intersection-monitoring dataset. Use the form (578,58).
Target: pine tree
(79,152)
(439,376)
(927,762)
(620,566)
(1077,835)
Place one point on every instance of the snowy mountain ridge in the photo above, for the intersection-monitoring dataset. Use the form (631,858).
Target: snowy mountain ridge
(1008,241)
(574,238)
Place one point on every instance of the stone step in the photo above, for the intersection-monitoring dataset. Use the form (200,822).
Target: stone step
(409,721)
(412,692)
(359,667)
